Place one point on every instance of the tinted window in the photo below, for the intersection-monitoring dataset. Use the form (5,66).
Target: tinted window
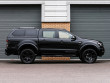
(49,34)
(18,33)
(63,34)
(31,32)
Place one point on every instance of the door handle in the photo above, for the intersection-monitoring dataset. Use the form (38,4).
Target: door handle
(61,41)
(43,40)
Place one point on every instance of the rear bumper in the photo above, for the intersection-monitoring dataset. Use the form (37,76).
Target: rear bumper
(7,52)
(10,51)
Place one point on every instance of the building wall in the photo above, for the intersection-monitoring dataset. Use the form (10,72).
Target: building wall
(55,13)
(55,10)
(61,25)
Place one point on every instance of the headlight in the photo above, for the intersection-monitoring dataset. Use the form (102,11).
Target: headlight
(100,44)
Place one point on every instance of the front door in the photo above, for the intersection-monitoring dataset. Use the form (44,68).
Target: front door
(67,42)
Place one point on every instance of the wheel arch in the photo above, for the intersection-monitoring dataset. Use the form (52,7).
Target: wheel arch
(90,47)
(27,46)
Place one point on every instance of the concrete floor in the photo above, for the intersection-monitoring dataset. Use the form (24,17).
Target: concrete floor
(13,71)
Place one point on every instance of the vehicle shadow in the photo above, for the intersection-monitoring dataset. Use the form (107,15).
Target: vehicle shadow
(55,62)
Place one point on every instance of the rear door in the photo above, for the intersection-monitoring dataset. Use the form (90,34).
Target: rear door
(48,41)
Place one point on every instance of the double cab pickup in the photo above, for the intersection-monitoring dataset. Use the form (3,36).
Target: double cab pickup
(29,43)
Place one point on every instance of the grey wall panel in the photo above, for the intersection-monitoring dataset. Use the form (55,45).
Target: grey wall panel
(20,16)
(92,22)
(14,17)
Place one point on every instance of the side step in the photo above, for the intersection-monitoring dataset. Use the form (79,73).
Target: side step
(55,58)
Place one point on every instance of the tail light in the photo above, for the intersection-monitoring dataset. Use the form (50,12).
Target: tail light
(7,41)
(7,44)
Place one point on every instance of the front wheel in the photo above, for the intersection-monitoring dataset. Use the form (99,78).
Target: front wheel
(89,56)
(27,56)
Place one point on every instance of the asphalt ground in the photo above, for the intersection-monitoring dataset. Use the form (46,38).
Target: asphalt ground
(73,71)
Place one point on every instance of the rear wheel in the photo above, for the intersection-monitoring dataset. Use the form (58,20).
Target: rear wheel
(27,56)
(89,56)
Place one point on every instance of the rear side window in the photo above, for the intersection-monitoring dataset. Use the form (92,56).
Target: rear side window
(49,34)
(31,32)
(18,33)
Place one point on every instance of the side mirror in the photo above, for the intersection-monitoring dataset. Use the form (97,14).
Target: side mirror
(73,38)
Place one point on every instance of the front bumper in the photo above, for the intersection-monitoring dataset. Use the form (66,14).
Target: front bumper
(101,51)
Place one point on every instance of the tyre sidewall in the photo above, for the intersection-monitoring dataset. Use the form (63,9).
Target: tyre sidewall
(21,56)
(84,57)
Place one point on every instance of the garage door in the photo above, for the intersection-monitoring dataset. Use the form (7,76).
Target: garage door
(16,16)
(93,22)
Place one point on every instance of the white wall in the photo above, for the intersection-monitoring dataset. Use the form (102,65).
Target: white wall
(55,11)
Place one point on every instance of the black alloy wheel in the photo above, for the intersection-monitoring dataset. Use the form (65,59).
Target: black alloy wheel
(27,56)
(89,56)
(80,57)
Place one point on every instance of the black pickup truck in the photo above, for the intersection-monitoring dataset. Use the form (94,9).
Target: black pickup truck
(29,43)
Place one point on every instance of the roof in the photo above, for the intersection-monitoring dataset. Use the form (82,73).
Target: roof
(54,28)
(42,28)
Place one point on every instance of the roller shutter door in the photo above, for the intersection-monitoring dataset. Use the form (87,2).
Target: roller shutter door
(15,16)
(92,22)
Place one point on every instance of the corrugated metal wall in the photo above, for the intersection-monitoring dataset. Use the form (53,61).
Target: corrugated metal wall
(15,16)
(93,22)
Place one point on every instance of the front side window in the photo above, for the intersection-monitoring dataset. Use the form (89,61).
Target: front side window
(63,34)
(48,34)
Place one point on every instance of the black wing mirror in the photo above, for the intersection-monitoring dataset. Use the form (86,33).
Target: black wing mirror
(73,38)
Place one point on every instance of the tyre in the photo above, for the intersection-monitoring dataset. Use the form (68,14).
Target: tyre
(27,56)
(89,56)
(81,59)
